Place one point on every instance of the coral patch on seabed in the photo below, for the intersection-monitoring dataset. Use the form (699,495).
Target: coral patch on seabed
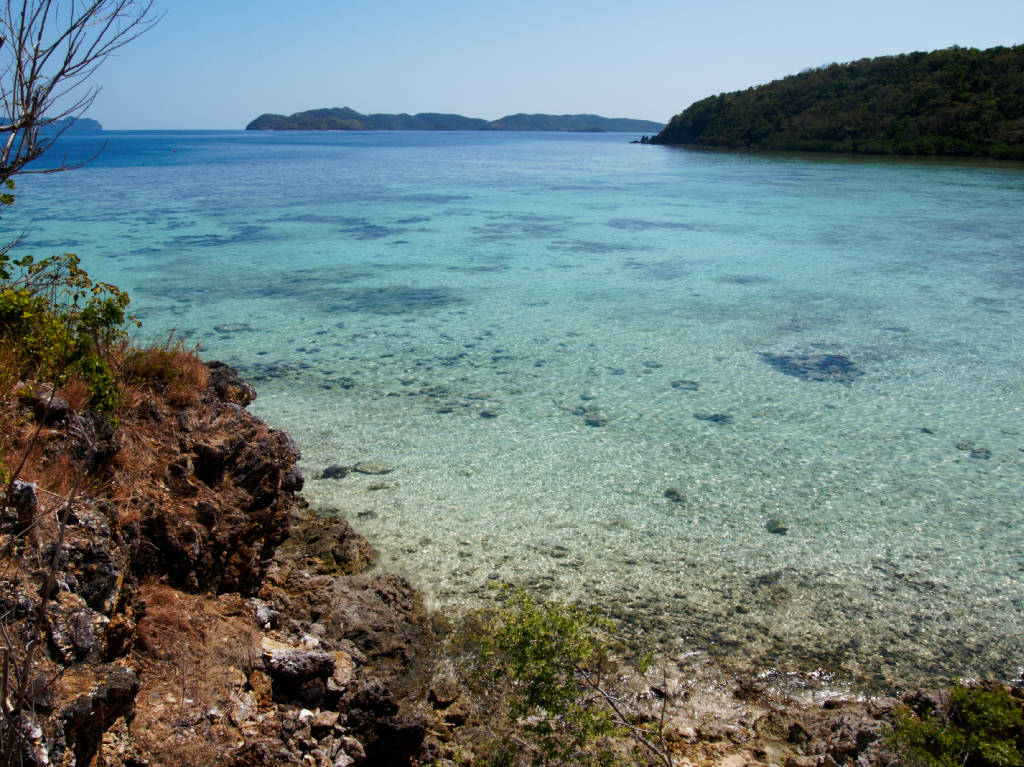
(815,367)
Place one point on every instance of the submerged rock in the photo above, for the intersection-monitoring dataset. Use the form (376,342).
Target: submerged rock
(372,468)
(713,417)
(336,471)
(232,327)
(592,415)
(685,385)
(815,367)
(776,526)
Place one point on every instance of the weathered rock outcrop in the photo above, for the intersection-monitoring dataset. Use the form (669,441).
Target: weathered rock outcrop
(112,595)
(327,545)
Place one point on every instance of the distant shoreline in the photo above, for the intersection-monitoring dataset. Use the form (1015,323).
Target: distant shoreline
(346,119)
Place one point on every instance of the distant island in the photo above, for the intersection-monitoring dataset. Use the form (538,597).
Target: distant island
(956,102)
(74,125)
(349,119)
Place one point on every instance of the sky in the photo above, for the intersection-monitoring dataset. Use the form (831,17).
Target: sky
(217,64)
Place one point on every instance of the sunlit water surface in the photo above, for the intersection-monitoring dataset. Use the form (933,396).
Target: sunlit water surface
(606,371)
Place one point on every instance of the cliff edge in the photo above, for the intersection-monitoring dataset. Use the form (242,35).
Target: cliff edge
(154,615)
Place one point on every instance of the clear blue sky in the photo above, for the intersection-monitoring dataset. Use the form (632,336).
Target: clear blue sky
(220,63)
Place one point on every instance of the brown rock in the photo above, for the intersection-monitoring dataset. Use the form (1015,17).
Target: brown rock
(229,541)
(802,761)
(262,686)
(97,696)
(444,692)
(380,618)
(244,709)
(229,385)
(797,734)
(324,720)
(284,661)
(48,406)
(458,712)
(344,672)
(327,545)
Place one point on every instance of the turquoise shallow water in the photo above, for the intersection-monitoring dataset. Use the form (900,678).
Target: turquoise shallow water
(542,333)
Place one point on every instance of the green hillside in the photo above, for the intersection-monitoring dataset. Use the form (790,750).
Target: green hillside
(582,123)
(349,119)
(957,102)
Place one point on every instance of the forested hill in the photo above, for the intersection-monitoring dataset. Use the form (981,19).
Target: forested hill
(73,124)
(958,101)
(349,119)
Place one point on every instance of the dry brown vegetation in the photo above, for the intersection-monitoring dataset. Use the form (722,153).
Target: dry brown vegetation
(71,460)
(157,379)
(194,655)
(174,369)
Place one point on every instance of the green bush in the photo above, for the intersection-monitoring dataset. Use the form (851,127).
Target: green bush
(550,669)
(980,727)
(57,324)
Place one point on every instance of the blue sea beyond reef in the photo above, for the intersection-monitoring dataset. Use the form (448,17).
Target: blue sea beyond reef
(767,409)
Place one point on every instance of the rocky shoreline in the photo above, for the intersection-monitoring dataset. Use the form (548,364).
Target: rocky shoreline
(201,618)
(184,605)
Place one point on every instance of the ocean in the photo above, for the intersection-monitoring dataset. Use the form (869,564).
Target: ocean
(765,409)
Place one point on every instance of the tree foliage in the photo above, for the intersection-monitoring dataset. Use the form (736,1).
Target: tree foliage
(977,727)
(551,669)
(57,324)
(957,101)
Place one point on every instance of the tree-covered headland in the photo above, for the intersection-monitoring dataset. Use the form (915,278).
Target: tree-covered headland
(955,102)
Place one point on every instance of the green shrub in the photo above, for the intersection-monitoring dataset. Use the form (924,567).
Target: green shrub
(979,727)
(56,323)
(549,668)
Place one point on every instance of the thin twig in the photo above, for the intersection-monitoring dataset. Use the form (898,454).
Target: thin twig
(638,733)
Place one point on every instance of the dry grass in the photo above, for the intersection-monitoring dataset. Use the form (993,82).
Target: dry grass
(32,452)
(194,654)
(176,370)
(165,378)
(170,626)
(134,483)
(9,373)
(75,393)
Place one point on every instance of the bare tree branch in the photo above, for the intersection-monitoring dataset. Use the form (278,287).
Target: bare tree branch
(49,49)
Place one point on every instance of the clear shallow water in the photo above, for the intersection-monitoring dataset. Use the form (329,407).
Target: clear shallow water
(500,319)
